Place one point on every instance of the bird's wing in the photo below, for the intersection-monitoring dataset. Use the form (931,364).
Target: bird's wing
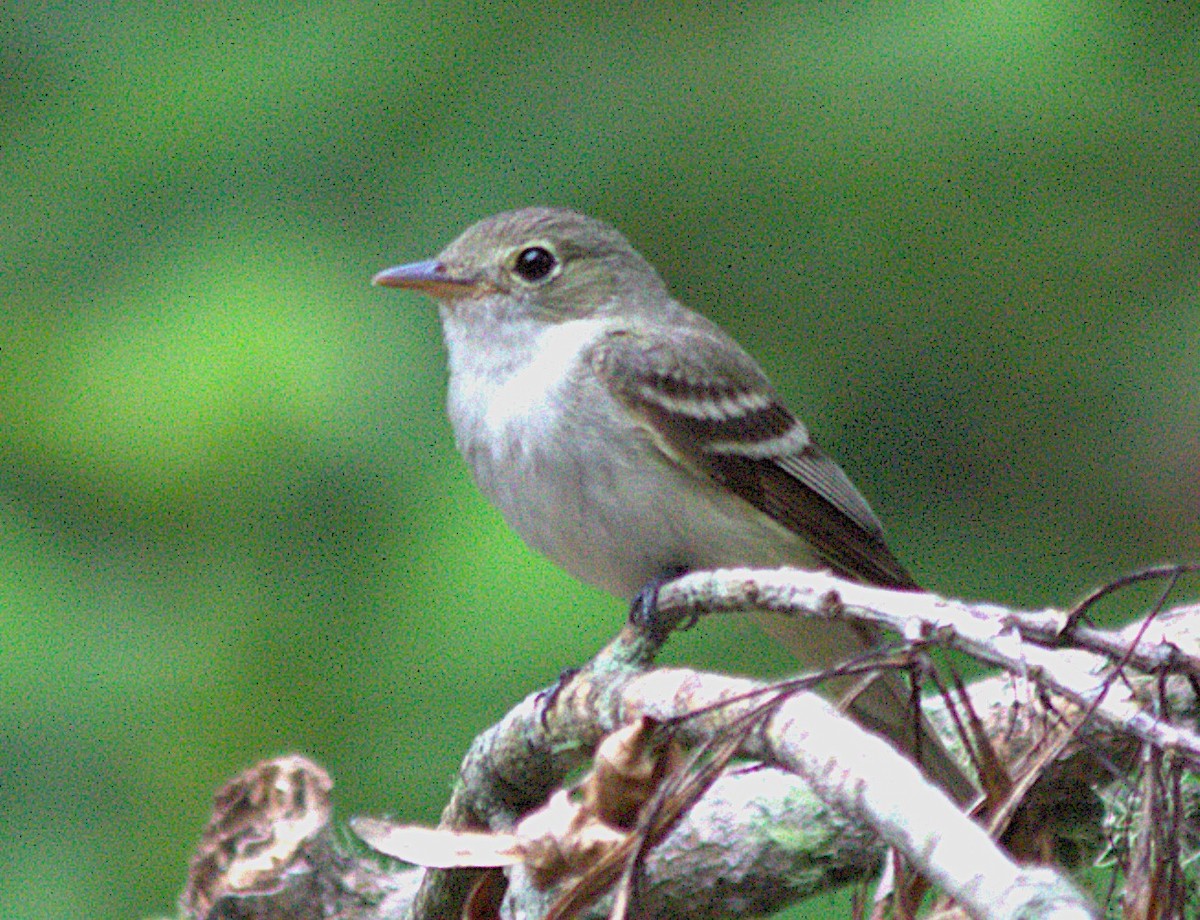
(709,407)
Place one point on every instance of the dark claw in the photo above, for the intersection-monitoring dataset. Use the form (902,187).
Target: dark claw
(645,615)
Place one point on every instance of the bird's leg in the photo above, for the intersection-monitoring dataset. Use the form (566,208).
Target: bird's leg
(644,612)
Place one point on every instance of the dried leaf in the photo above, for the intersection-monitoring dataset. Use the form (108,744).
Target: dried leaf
(628,766)
(438,848)
(256,841)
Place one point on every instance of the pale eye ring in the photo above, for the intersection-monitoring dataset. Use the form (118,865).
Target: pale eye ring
(535,263)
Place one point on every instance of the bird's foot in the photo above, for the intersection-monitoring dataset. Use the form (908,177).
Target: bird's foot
(646,615)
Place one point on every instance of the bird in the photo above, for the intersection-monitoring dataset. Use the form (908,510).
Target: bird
(630,439)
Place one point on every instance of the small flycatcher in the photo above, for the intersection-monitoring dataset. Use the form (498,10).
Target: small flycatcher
(630,439)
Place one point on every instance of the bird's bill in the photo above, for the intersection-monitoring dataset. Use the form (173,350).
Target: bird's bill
(428,277)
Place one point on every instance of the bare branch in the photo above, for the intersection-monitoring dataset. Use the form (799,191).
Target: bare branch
(760,838)
(1014,640)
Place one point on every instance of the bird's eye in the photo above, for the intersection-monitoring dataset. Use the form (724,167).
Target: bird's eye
(535,263)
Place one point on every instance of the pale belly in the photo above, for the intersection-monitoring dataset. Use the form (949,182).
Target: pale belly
(613,510)
(583,482)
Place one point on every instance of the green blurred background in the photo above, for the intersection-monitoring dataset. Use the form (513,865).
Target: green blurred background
(962,237)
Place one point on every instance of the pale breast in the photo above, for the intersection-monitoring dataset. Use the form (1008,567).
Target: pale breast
(584,482)
(531,432)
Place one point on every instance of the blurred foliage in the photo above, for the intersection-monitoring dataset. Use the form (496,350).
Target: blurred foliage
(963,238)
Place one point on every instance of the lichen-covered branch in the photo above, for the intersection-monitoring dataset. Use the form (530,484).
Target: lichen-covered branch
(1026,644)
(814,812)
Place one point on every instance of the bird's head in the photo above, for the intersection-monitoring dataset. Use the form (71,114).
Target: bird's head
(547,263)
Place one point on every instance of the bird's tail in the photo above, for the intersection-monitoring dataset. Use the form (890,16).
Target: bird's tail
(882,705)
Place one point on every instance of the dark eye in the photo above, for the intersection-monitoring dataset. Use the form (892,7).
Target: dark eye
(535,263)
